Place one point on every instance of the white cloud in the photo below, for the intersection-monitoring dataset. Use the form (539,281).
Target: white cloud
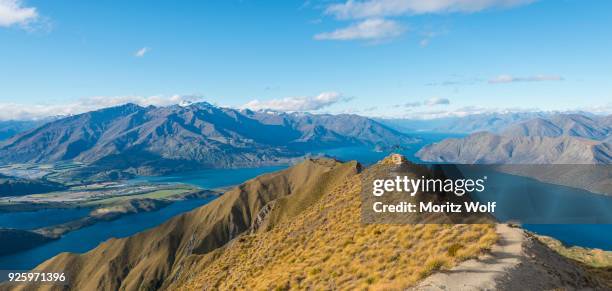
(603,109)
(437,101)
(155,100)
(383,8)
(320,101)
(369,29)
(429,102)
(463,112)
(13,12)
(141,52)
(511,79)
(15,111)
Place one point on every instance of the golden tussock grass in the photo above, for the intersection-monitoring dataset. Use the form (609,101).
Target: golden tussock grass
(326,247)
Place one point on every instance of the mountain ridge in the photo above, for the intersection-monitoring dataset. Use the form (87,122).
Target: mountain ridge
(559,139)
(150,139)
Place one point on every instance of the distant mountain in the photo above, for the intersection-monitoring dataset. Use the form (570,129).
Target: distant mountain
(10,128)
(151,139)
(493,122)
(559,139)
(577,125)
(489,148)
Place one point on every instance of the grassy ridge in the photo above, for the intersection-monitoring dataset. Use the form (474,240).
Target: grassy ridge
(323,245)
(297,228)
(595,261)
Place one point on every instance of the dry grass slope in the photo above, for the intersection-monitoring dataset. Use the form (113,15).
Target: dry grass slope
(597,262)
(325,246)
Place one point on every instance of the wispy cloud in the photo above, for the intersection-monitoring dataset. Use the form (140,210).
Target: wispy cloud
(384,8)
(374,16)
(463,112)
(428,35)
(429,102)
(437,101)
(500,79)
(320,101)
(15,13)
(15,111)
(141,52)
(370,29)
(605,109)
(512,79)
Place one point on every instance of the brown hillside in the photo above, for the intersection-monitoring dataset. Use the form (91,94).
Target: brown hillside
(146,260)
(296,228)
(326,247)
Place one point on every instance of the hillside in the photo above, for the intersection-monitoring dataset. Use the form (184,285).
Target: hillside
(158,139)
(327,247)
(520,261)
(516,124)
(299,228)
(576,125)
(9,128)
(489,148)
(492,122)
(561,140)
(557,139)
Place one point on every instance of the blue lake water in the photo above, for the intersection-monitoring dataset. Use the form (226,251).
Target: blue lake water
(565,213)
(84,239)
(212,178)
(368,156)
(41,218)
(87,238)
(585,235)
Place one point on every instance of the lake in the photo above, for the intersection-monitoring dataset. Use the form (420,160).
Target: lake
(565,213)
(41,218)
(211,178)
(86,238)
(584,235)
(368,156)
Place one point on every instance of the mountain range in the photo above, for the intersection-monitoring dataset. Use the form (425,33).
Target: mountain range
(151,139)
(492,122)
(558,139)
(565,149)
(9,128)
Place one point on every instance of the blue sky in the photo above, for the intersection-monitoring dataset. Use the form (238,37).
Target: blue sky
(378,58)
